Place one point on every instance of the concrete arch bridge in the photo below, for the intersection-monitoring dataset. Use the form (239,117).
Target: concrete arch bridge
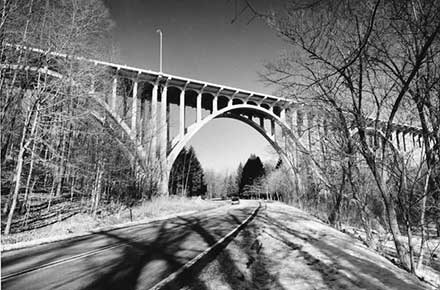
(145,103)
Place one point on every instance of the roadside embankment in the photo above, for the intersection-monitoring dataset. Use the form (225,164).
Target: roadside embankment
(286,248)
(82,224)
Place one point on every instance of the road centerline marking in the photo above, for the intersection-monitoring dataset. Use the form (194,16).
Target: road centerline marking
(61,261)
(175,275)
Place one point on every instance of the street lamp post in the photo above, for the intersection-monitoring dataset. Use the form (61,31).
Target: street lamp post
(160,49)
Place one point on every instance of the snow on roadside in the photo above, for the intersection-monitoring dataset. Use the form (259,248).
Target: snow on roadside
(285,248)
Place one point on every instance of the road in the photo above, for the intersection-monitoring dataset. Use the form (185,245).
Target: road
(135,257)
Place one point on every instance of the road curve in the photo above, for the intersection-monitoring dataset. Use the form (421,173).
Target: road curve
(136,257)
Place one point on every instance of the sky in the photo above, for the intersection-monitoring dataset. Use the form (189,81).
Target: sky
(201,41)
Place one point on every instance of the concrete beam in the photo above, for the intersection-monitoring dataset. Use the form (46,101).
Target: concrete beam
(163,122)
(199,105)
(114,91)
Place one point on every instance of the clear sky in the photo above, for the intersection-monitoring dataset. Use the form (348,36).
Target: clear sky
(200,42)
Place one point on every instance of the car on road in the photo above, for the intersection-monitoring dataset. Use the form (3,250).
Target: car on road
(235,200)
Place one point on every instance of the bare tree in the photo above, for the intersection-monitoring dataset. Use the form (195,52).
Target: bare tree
(360,60)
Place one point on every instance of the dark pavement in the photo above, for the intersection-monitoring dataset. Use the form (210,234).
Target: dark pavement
(135,257)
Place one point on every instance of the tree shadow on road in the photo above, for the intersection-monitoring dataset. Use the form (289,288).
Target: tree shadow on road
(127,270)
(233,275)
(168,251)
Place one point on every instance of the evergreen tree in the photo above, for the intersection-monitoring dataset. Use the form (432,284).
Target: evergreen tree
(176,181)
(252,171)
(187,177)
(196,183)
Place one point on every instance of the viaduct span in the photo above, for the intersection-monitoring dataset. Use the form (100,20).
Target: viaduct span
(144,102)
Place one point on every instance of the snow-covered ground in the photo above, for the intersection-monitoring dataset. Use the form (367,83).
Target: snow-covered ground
(285,248)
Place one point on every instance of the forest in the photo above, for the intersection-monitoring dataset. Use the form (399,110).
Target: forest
(58,157)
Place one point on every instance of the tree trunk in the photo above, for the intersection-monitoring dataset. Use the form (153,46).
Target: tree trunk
(59,174)
(72,186)
(422,222)
(17,179)
(52,190)
(20,93)
(28,182)
(28,205)
(20,160)
(380,175)
(410,247)
(401,251)
(334,214)
(97,190)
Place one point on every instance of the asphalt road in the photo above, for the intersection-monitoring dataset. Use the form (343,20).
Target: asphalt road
(135,257)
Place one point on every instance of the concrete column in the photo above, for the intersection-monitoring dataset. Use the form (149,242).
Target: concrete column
(164,182)
(310,129)
(134,109)
(272,128)
(182,113)
(164,124)
(168,126)
(146,125)
(305,122)
(141,126)
(404,141)
(397,139)
(283,115)
(230,102)
(164,140)
(154,118)
(199,107)
(283,119)
(262,122)
(214,103)
(305,130)
(294,121)
(114,89)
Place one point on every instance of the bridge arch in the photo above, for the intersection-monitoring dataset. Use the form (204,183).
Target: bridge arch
(222,113)
(278,148)
(233,112)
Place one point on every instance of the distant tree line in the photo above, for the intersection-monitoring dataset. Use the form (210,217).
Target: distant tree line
(244,183)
